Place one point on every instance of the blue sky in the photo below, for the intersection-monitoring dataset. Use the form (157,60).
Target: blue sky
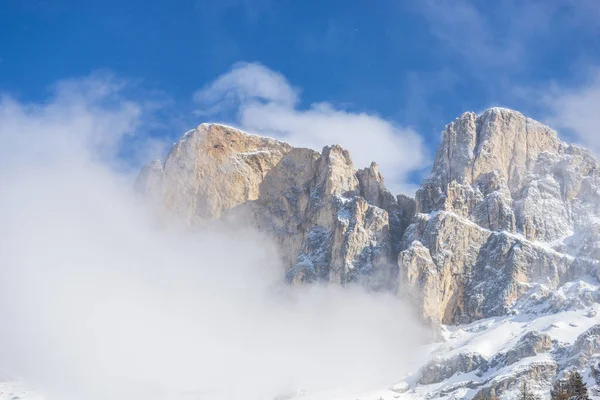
(389,70)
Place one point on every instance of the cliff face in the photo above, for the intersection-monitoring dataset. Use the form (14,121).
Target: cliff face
(507,205)
(332,223)
(326,229)
(500,249)
(212,168)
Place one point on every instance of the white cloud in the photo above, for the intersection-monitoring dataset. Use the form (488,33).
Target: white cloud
(81,113)
(248,82)
(575,109)
(99,301)
(266,103)
(92,115)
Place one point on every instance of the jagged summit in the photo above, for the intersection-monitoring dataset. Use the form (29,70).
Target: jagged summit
(211,169)
(494,171)
(500,109)
(218,126)
(499,251)
(507,222)
(499,180)
(498,139)
(331,222)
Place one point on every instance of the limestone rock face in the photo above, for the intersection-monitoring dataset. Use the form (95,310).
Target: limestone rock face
(401,209)
(331,222)
(501,169)
(211,169)
(498,140)
(439,247)
(507,205)
(499,249)
(326,230)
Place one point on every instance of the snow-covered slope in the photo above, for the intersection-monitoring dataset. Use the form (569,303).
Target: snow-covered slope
(549,332)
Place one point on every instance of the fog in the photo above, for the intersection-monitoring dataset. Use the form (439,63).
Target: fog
(99,300)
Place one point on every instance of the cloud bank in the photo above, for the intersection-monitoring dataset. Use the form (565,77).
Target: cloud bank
(99,300)
(264,102)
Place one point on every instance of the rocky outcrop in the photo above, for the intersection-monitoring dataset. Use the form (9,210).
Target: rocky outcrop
(498,140)
(538,375)
(507,205)
(529,345)
(211,169)
(313,205)
(401,209)
(504,171)
(440,247)
(331,222)
(439,370)
(585,347)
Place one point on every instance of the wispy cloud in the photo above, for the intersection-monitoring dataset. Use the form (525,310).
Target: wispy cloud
(102,112)
(246,82)
(575,110)
(82,113)
(266,103)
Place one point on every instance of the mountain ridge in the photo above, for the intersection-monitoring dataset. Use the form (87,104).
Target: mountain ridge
(507,219)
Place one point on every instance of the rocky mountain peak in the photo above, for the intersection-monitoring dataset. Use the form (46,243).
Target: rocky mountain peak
(211,169)
(331,222)
(502,209)
(499,140)
(508,222)
(336,172)
(507,205)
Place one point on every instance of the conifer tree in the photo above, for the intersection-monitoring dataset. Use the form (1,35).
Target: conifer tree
(577,388)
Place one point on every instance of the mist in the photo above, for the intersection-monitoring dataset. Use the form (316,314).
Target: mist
(99,299)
